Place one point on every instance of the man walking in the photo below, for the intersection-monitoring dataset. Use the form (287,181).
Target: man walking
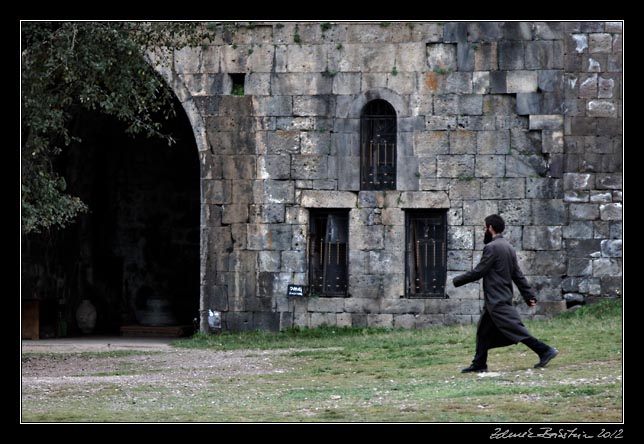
(500,324)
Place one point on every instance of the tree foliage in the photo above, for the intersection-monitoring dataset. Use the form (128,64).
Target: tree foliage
(71,67)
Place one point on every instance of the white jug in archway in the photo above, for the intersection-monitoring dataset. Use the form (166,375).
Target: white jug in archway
(86,316)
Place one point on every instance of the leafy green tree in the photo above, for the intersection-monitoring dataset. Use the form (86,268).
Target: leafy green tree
(71,67)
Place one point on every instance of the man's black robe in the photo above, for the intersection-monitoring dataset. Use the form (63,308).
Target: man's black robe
(499,268)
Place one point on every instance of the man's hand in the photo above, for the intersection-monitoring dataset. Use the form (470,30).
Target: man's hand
(532,302)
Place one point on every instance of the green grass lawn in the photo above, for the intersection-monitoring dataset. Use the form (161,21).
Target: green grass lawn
(376,375)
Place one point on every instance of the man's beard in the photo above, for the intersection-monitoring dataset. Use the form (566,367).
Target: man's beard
(487,238)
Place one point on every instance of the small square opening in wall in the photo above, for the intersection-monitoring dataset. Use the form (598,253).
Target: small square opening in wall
(237,81)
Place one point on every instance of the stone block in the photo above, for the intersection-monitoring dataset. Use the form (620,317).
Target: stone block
(609,181)
(511,55)
(441,56)
(234,214)
(309,166)
(546,121)
(242,191)
(611,211)
(548,30)
(268,261)
(481,82)
(465,57)
(366,237)
(601,108)
(380,320)
(407,321)
(459,260)
(584,211)
(600,42)
(486,57)
(526,142)
(446,104)
(493,142)
(274,191)
(578,230)
(529,103)
(269,237)
(553,141)
(611,248)
(528,166)
(216,191)
(583,248)
(549,212)
(475,212)
(498,82)
(477,123)
(239,167)
(518,30)
(271,214)
(326,305)
(306,58)
(441,122)
(363,305)
(272,105)
(462,142)
(539,55)
(489,166)
(313,105)
(274,166)
(544,188)
(588,82)
(607,267)
(516,211)
(416,199)
(283,142)
(470,104)
(548,288)
(542,237)
(431,143)
(544,263)
(578,181)
(371,199)
(455,32)
(465,188)
(460,238)
(454,166)
(346,83)
(521,81)
(601,196)
(605,88)
(285,84)
(328,199)
(348,179)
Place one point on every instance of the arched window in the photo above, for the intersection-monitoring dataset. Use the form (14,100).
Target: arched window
(378,146)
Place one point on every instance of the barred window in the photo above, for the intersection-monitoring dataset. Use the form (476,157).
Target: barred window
(378,146)
(425,252)
(328,252)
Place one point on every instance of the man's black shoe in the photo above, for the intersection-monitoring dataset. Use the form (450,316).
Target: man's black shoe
(474,369)
(546,357)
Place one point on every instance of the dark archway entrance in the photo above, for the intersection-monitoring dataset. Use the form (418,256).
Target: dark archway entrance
(136,254)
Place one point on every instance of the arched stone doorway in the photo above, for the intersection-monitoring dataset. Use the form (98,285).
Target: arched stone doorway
(135,255)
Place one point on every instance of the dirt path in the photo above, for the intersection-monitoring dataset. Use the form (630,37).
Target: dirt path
(159,364)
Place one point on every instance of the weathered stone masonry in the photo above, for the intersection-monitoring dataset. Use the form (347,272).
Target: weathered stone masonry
(523,119)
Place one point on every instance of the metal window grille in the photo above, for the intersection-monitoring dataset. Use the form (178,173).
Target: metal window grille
(328,252)
(378,146)
(426,253)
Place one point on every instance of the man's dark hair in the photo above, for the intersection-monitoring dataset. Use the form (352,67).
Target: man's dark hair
(497,222)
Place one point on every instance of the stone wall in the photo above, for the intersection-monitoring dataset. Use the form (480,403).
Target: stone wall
(593,160)
(522,119)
